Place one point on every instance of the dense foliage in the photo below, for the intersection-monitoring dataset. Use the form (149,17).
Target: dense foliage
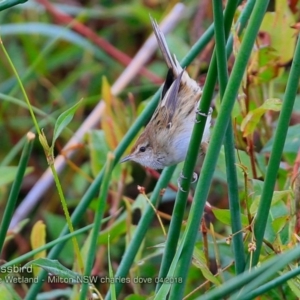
(133,233)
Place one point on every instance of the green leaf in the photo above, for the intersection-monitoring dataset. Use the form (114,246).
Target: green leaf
(257,187)
(242,158)
(249,123)
(63,293)
(55,224)
(294,285)
(136,297)
(223,215)
(114,231)
(267,66)
(7,292)
(279,223)
(98,151)
(280,217)
(272,104)
(56,268)
(278,26)
(63,121)
(200,262)
(277,196)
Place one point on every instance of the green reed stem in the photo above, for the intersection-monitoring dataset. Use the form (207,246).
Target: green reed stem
(215,144)
(15,189)
(252,294)
(252,278)
(97,223)
(275,158)
(67,216)
(234,204)
(4,4)
(141,230)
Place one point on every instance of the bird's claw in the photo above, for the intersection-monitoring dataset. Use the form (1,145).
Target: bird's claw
(179,183)
(198,112)
(195,177)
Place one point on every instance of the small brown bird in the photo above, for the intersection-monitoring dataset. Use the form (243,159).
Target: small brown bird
(165,140)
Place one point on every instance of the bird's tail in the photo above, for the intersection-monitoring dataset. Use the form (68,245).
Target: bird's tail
(172,62)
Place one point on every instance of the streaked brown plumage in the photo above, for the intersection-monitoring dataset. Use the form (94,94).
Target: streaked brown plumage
(165,140)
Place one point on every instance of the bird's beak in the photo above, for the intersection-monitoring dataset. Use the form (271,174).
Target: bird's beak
(126,158)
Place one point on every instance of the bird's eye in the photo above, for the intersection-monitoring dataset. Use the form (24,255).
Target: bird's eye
(142,149)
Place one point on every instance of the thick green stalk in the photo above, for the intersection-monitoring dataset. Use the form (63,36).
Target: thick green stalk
(275,283)
(234,204)
(258,276)
(10,3)
(15,189)
(97,223)
(275,158)
(76,217)
(141,230)
(215,144)
(64,205)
